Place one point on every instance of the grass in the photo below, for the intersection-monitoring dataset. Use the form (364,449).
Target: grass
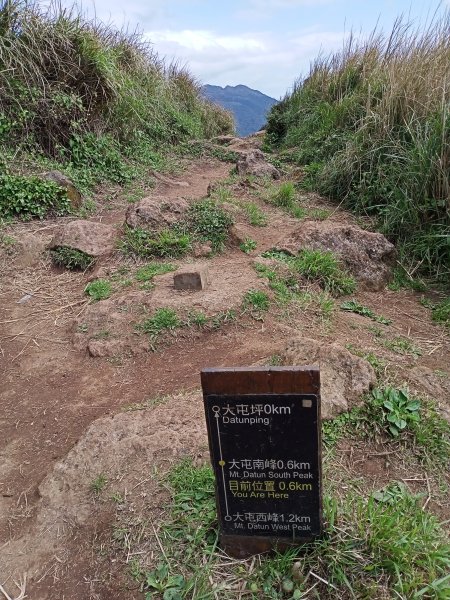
(358,308)
(440,313)
(401,345)
(285,197)
(100,289)
(377,363)
(256,302)
(98,484)
(151,270)
(382,545)
(164,319)
(71,258)
(324,267)
(162,244)
(255,215)
(369,125)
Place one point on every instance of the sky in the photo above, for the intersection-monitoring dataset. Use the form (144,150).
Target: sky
(264,44)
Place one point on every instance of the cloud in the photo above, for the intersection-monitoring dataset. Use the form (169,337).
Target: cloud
(265,61)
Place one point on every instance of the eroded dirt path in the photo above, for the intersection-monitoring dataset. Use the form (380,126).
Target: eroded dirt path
(53,392)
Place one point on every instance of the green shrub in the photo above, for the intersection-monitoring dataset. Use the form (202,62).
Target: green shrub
(28,197)
(100,289)
(72,259)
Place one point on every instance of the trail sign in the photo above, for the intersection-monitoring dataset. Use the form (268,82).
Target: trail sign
(264,439)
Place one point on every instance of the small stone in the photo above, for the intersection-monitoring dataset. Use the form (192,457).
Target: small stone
(202,250)
(191,278)
(255,163)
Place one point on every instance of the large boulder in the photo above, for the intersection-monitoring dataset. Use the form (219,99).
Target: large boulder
(255,163)
(367,255)
(95,239)
(344,377)
(67,184)
(156,212)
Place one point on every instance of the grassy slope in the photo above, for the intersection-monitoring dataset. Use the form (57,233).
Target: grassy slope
(371,125)
(94,102)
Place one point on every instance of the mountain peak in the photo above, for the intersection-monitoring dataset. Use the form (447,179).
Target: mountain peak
(249,107)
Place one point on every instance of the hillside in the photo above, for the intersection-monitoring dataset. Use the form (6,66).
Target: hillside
(370,127)
(106,489)
(249,107)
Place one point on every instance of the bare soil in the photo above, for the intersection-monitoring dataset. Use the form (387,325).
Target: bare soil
(67,417)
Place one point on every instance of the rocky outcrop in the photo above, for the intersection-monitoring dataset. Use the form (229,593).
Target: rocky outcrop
(156,212)
(367,256)
(95,239)
(344,377)
(254,163)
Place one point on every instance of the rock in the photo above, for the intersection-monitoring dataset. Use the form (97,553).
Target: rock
(344,377)
(255,163)
(224,140)
(29,250)
(95,239)
(102,348)
(237,235)
(191,278)
(368,256)
(156,212)
(64,182)
(202,250)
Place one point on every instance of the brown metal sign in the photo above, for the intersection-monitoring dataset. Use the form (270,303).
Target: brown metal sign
(264,438)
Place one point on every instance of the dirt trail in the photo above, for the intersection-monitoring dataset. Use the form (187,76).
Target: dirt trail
(52,392)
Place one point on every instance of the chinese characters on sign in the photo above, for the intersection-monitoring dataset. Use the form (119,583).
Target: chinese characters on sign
(265,454)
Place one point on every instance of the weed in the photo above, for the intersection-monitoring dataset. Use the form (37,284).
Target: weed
(71,258)
(99,483)
(28,197)
(318,214)
(382,546)
(255,215)
(441,312)
(162,244)
(149,271)
(275,360)
(360,309)
(223,317)
(378,364)
(323,267)
(82,328)
(100,289)
(207,221)
(104,334)
(164,319)
(401,279)
(197,318)
(256,301)
(401,345)
(248,245)
(397,409)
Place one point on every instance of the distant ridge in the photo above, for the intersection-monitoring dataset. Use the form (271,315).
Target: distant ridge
(249,107)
